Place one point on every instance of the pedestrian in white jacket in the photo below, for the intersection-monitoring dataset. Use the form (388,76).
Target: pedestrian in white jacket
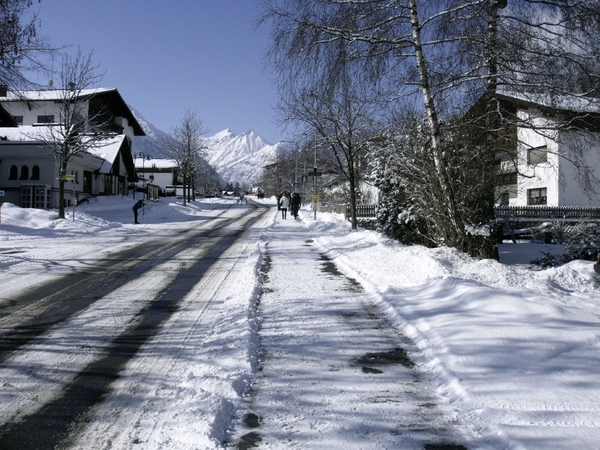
(284,205)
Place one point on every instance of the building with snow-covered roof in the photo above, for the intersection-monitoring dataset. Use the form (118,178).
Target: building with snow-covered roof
(552,151)
(29,169)
(43,107)
(161,173)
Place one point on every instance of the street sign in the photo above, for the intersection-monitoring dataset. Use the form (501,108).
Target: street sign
(296,185)
(68,177)
(1,193)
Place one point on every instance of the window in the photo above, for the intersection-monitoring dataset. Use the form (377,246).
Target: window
(506,154)
(45,119)
(14,172)
(35,173)
(24,173)
(505,199)
(506,179)
(537,196)
(18,119)
(537,155)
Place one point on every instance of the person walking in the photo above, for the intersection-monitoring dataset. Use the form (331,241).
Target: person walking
(296,200)
(139,204)
(285,203)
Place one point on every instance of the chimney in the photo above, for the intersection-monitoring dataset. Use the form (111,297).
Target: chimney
(3,90)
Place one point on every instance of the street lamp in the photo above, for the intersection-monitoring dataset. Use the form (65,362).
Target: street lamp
(143,156)
(315,173)
(296,150)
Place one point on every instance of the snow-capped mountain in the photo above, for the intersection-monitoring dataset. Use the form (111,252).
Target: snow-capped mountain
(146,144)
(239,158)
(236,158)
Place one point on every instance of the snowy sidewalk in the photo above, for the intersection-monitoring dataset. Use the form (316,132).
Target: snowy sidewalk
(334,373)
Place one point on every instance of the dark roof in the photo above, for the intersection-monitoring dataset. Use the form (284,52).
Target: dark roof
(575,112)
(6,120)
(579,104)
(114,99)
(107,96)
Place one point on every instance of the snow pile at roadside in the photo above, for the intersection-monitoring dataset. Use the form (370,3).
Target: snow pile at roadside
(100,214)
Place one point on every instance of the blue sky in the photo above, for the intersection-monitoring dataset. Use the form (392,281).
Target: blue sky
(166,56)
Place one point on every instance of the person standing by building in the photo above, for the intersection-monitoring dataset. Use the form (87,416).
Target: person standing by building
(139,204)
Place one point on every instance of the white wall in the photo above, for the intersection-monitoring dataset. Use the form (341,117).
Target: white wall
(584,148)
(32,109)
(558,175)
(160,179)
(127,129)
(543,175)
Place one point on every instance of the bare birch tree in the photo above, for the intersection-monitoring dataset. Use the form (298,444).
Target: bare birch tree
(451,53)
(77,129)
(21,47)
(185,146)
(328,96)
(341,115)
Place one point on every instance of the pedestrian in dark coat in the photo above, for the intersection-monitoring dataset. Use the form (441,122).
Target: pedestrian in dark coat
(139,204)
(296,201)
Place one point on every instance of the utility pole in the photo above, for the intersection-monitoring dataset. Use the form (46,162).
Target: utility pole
(315,195)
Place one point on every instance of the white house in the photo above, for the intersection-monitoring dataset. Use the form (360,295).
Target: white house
(161,173)
(29,169)
(547,166)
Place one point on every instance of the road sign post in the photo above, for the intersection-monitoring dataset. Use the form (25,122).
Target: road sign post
(71,178)
(315,196)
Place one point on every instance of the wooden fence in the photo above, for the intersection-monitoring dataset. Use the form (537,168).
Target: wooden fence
(363,211)
(518,213)
(537,213)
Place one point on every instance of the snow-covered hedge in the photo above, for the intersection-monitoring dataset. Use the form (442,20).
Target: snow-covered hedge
(580,241)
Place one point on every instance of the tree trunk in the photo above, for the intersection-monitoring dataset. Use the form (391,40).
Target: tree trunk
(352,181)
(455,233)
(493,123)
(184,189)
(61,188)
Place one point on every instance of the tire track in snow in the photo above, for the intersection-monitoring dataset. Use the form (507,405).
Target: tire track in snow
(147,416)
(38,310)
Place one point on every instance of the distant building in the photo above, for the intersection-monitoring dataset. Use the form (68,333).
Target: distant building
(159,173)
